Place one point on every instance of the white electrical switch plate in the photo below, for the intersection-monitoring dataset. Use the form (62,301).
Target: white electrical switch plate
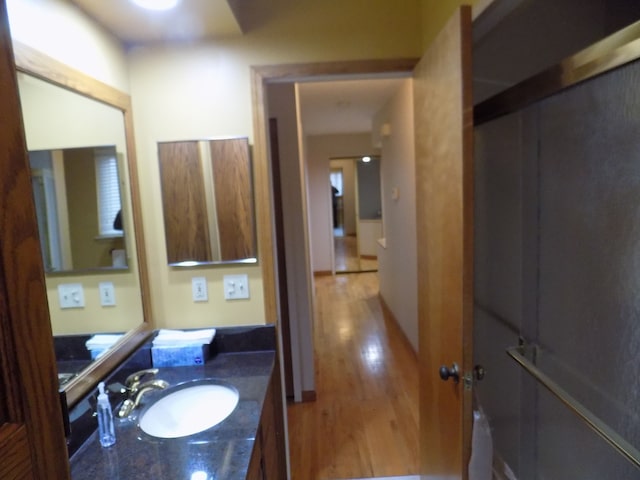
(71,295)
(107,294)
(236,287)
(199,289)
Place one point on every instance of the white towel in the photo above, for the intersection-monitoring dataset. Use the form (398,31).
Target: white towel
(102,341)
(179,338)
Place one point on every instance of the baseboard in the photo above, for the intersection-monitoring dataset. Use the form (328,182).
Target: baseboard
(386,311)
(309,396)
(322,273)
(369,257)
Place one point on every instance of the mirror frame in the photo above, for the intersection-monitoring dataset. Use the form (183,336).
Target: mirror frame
(35,63)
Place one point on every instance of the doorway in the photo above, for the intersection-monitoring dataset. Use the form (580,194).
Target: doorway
(306,200)
(301,281)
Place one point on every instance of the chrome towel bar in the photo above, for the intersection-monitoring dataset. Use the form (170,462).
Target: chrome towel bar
(595,423)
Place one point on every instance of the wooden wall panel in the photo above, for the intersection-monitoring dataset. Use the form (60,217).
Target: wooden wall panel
(234,200)
(183,202)
(14,446)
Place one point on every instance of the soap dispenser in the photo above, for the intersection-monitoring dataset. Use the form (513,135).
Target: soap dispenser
(106,428)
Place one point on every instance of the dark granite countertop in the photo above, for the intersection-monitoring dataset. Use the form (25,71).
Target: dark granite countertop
(221,452)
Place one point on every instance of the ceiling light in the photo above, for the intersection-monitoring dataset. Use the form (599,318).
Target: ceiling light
(156,4)
(366,159)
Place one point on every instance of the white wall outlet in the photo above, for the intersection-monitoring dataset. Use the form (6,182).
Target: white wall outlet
(236,287)
(71,295)
(199,289)
(107,294)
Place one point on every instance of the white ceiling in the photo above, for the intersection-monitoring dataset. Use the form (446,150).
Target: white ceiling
(190,20)
(345,106)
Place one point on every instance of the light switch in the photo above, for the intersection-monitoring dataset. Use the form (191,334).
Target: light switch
(236,287)
(107,294)
(71,295)
(199,289)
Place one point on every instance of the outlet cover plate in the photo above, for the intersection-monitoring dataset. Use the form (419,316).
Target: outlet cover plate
(71,295)
(236,287)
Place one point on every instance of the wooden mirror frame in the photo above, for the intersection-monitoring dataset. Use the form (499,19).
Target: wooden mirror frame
(39,65)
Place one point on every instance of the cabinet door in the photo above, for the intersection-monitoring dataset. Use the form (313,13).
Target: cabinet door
(274,460)
(32,443)
(255,471)
(268,435)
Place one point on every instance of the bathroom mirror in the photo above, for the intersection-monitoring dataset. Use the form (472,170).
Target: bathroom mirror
(68,114)
(356,212)
(78,206)
(212,221)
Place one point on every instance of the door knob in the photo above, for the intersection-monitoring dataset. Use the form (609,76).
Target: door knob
(446,373)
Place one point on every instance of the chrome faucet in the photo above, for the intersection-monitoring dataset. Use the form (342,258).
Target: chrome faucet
(135,390)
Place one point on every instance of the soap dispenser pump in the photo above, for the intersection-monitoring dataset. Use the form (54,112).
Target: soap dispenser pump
(106,428)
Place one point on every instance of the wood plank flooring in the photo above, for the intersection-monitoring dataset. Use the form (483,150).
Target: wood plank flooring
(346,256)
(364,422)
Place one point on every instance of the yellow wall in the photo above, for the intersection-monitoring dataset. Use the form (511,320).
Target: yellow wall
(58,29)
(54,119)
(435,14)
(199,91)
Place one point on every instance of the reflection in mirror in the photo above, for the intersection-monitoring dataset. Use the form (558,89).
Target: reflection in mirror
(356,212)
(207,201)
(78,207)
(71,136)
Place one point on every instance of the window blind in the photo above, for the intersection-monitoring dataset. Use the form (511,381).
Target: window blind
(108,190)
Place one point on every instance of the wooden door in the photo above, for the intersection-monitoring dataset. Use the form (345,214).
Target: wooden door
(443,126)
(32,442)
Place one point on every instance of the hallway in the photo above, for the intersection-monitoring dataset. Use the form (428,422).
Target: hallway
(364,422)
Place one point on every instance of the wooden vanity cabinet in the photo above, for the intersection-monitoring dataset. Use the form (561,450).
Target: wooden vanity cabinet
(255,471)
(268,458)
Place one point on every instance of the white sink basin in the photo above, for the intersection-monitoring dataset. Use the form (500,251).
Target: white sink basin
(189,410)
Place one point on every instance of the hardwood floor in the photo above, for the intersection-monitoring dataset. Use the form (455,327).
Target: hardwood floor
(364,422)
(346,256)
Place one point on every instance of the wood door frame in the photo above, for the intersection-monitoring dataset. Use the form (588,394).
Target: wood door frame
(261,76)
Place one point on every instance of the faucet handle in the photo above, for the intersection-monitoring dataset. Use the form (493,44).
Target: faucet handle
(133,381)
(131,403)
(154,384)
